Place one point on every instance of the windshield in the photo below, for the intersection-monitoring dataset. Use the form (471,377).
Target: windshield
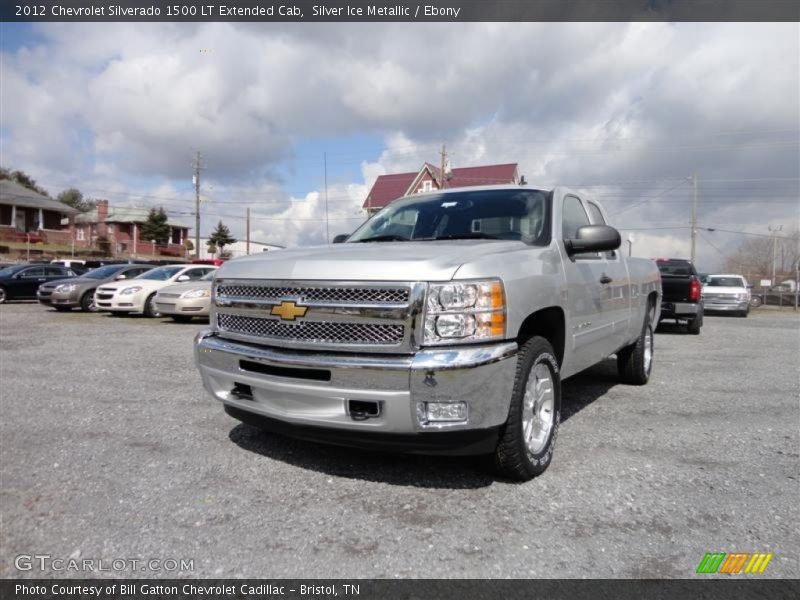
(161,273)
(725,282)
(103,272)
(515,214)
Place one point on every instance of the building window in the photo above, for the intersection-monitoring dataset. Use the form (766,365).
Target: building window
(110,228)
(80,234)
(427,186)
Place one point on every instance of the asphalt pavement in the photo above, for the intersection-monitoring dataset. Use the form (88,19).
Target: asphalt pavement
(111,450)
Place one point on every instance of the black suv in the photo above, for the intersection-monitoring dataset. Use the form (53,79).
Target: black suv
(19,282)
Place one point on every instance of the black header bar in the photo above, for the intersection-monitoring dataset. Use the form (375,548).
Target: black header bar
(727,588)
(399,10)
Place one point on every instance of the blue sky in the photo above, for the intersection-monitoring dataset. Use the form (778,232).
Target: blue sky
(118,110)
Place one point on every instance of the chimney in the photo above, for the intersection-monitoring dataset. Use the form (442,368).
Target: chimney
(102,211)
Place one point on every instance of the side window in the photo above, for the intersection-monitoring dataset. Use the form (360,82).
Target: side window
(33,273)
(594,212)
(195,274)
(572,217)
(55,272)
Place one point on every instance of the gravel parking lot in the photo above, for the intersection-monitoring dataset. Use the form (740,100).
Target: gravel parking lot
(111,449)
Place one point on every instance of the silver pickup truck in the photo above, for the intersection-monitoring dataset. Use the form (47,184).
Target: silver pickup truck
(444,324)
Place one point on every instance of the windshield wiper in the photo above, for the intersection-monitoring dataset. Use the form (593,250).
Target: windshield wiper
(385,238)
(472,235)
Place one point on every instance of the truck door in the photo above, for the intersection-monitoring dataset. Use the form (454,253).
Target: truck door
(616,289)
(590,326)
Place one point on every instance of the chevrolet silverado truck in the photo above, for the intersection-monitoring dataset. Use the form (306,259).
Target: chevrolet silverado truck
(682,293)
(726,293)
(445,324)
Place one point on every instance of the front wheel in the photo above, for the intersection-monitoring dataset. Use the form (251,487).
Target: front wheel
(3,296)
(528,438)
(150,309)
(87,302)
(755,301)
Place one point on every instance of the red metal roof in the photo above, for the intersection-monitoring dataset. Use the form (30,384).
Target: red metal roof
(391,187)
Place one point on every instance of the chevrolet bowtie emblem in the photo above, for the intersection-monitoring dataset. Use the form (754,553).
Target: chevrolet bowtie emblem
(289,311)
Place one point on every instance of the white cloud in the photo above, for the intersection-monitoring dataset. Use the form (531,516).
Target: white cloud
(122,108)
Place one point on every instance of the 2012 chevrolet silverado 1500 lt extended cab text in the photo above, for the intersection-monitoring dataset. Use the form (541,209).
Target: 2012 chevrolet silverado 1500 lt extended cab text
(444,324)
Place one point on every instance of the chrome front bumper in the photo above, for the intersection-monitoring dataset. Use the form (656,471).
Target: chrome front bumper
(738,306)
(313,389)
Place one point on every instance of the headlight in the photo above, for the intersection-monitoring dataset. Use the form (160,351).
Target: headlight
(742,296)
(130,290)
(204,293)
(65,287)
(464,312)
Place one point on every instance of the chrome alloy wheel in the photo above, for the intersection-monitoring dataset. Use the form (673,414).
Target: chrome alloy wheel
(537,411)
(648,348)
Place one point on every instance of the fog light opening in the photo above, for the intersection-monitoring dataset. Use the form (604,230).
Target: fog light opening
(242,391)
(359,410)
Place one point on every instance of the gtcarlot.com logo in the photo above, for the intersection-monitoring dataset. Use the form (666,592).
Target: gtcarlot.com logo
(46,562)
(734,563)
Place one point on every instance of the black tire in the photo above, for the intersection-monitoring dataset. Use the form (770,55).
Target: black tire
(181,318)
(755,301)
(150,309)
(635,362)
(87,302)
(3,295)
(513,458)
(695,325)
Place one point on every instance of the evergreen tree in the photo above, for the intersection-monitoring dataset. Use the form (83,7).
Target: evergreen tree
(221,237)
(155,228)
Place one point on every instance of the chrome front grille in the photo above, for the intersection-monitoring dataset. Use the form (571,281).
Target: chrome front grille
(320,295)
(314,315)
(312,331)
(720,298)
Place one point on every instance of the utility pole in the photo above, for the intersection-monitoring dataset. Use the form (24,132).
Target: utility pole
(196,181)
(325,168)
(774,248)
(441,168)
(247,243)
(694,216)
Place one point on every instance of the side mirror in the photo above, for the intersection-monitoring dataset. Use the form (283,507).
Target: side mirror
(120,277)
(183,278)
(593,238)
(341,238)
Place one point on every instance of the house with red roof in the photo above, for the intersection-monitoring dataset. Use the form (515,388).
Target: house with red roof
(388,188)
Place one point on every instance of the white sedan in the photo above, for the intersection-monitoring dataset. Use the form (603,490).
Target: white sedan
(137,295)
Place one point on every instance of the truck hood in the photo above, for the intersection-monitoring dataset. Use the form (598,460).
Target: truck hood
(369,261)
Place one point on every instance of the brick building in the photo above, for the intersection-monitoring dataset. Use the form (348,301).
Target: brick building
(26,215)
(121,226)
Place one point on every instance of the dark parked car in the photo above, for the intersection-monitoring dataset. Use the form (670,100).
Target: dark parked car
(70,293)
(21,281)
(682,293)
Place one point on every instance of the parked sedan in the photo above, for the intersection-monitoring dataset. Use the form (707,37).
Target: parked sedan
(138,295)
(183,301)
(22,281)
(67,294)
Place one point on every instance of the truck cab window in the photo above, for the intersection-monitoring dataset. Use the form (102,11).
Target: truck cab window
(573,217)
